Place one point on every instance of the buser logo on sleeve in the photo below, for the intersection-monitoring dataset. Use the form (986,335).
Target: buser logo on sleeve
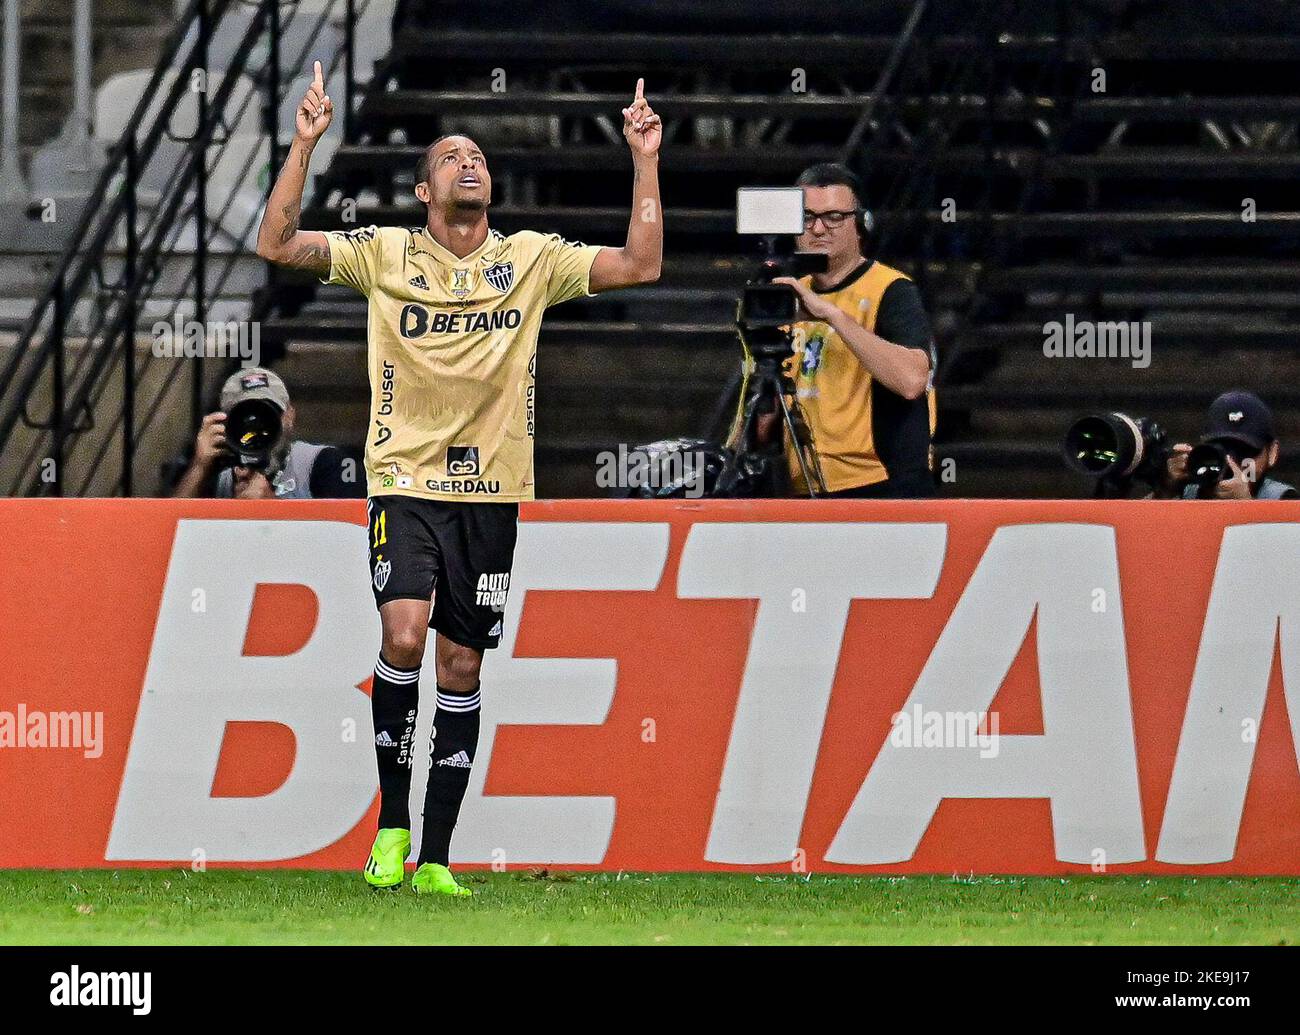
(462,460)
(386,390)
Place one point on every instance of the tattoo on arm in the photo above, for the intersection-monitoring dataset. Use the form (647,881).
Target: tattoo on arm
(279,238)
(308,256)
(291,216)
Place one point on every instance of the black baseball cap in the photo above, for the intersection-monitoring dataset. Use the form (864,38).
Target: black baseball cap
(1240,417)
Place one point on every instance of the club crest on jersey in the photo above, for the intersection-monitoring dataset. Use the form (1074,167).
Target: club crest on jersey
(461,284)
(500,275)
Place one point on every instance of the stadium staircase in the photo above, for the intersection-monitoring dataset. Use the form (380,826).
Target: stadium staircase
(156,225)
(1119,204)
(1122,204)
(127,34)
(60,163)
(1168,199)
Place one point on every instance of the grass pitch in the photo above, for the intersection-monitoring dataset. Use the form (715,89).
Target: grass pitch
(113,907)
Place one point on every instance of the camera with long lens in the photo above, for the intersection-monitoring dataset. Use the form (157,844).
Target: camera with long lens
(1117,449)
(253,430)
(1207,465)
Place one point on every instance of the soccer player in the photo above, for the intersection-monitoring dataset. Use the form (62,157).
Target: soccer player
(454,310)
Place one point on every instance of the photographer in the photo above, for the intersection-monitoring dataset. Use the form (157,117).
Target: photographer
(1242,426)
(293,469)
(864,354)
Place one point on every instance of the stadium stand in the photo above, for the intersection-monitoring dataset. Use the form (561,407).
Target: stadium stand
(1161,197)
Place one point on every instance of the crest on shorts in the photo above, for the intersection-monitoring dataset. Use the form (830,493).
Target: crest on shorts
(461,283)
(382,570)
(500,275)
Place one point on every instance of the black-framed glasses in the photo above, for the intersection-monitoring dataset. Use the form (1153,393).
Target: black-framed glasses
(832,219)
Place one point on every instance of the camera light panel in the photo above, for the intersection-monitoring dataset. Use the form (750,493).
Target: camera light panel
(769,210)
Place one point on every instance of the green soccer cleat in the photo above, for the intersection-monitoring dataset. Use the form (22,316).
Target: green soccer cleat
(386,865)
(435,879)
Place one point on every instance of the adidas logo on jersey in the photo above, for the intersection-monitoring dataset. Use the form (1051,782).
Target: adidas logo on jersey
(418,281)
(383,740)
(460,760)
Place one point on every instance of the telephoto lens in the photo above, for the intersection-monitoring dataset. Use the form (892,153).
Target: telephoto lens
(1207,464)
(253,429)
(1116,447)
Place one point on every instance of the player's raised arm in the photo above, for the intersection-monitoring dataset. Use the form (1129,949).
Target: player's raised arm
(640,259)
(278,238)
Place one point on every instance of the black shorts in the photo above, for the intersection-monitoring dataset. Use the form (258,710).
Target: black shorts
(457,554)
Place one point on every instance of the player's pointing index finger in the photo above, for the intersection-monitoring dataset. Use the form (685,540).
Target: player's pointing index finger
(640,89)
(318,80)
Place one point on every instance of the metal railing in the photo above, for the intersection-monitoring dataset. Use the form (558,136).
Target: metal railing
(996,241)
(910,202)
(155,234)
(10,174)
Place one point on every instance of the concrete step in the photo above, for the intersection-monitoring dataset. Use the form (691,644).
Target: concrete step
(112,12)
(128,34)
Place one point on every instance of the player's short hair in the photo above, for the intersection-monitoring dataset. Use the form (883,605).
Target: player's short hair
(833,174)
(426,157)
(422,166)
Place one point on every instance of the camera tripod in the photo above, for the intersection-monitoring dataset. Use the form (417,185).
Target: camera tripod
(764,388)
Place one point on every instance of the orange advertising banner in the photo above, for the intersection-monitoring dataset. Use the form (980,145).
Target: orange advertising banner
(1028,687)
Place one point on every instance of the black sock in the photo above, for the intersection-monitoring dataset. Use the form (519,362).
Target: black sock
(394,697)
(451,756)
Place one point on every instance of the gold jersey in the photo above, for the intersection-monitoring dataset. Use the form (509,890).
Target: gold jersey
(452,352)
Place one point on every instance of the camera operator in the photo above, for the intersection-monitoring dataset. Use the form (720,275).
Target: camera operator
(1242,425)
(293,469)
(864,354)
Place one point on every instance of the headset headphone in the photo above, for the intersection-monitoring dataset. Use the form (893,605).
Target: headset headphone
(864,220)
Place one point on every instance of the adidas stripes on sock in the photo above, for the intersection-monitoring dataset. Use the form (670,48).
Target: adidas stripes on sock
(451,756)
(394,698)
